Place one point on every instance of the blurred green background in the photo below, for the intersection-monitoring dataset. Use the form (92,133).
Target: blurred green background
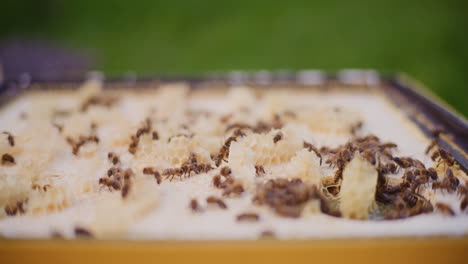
(424,38)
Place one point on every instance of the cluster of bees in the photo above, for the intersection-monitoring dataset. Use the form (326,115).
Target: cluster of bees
(287,197)
(117,178)
(403,199)
(227,183)
(189,166)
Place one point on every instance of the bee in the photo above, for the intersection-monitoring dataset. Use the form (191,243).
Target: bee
(132,148)
(217,181)
(145,129)
(432,145)
(446,157)
(83,232)
(217,201)
(259,170)
(155,135)
(338,175)
(278,137)
(445,209)
(223,153)
(195,206)
(172,172)
(43,188)
(110,183)
(369,155)
(113,171)
(126,189)
(449,183)
(403,162)
(388,145)
(10,138)
(8,159)
(267,234)
(354,128)
(311,147)
(15,208)
(234,188)
(148,170)
(433,174)
(157,176)
(225,171)
(390,167)
(435,156)
(251,217)
(113,158)
(238,126)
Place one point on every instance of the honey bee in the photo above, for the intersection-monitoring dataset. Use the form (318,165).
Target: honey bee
(217,181)
(233,188)
(15,208)
(225,171)
(148,170)
(132,148)
(311,147)
(449,183)
(446,157)
(202,168)
(83,232)
(390,167)
(154,172)
(354,128)
(77,144)
(259,170)
(267,234)
(113,171)
(10,138)
(223,153)
(110,183)
(388,145)
(445,209)
(250,217)
(43,188)
(217,201)
(369,155)
(403,162)
(145,129)
(431,146)
(172,172)
(8,159)
(113,158)
(126,189)
(195,206)
(157,176)
(278,137)
(155,135)
(433,174)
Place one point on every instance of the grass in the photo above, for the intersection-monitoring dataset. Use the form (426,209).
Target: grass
(426,39)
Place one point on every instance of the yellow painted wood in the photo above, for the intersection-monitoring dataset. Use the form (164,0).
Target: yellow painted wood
(421,250)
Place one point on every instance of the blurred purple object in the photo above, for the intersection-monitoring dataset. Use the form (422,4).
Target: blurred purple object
(41,61)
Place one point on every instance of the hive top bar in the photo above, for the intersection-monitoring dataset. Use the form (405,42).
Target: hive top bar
(240,162)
